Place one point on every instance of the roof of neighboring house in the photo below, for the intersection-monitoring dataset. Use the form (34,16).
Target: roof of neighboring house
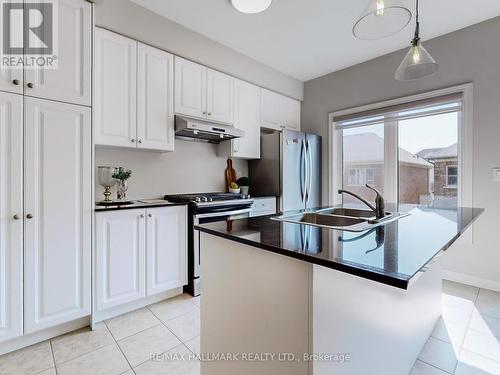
(440,152)
(369,148)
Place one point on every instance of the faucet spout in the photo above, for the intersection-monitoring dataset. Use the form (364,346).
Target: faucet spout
(378,209)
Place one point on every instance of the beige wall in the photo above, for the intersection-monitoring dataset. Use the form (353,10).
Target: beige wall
(468,55)
(193,167)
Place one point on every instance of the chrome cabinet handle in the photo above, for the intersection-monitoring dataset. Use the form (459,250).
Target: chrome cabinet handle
(204,113)
(30,85)
(132,140)
(209,113)
(140,140)
(15,82)
(16,217)
(142,215)
(29,216)
(150,215)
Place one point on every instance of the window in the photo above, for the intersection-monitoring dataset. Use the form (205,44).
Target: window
(451,176)
(362,155)
(409,150)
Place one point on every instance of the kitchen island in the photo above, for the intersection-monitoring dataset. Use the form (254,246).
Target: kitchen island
(302,299)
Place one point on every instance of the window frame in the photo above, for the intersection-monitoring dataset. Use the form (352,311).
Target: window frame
(448,185)
(465,150)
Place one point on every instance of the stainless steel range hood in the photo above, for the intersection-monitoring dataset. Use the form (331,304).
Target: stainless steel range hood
(186,127)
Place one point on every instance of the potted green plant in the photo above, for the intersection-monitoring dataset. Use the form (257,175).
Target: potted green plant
(121,176)
(244,184)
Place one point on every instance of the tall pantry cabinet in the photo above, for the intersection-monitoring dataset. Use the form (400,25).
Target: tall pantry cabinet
(45,185)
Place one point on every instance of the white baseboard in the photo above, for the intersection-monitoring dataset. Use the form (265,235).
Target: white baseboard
(99,316)
(478,282)
(36,337)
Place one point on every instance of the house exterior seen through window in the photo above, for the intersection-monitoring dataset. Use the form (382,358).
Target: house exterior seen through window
(415,151)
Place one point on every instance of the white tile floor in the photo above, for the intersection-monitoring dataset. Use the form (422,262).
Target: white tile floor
(466,341)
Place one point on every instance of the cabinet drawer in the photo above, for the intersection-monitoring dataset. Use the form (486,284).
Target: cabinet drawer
(263,206)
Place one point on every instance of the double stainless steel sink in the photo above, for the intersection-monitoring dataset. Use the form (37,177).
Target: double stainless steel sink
(347,219)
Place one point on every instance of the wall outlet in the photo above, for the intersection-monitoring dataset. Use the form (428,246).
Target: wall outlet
(496,174)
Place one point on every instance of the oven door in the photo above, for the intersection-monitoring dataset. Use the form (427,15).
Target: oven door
(211,217)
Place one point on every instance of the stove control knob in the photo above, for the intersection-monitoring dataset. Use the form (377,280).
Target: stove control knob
(210,199)
(197,199)
(205,199)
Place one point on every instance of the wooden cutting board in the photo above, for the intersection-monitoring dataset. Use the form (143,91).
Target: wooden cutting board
(230,174)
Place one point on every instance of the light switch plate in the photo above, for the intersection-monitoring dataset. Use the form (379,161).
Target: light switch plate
(496,174)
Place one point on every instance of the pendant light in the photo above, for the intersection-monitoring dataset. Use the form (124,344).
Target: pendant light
(418,63)
(381,18)
(251,6)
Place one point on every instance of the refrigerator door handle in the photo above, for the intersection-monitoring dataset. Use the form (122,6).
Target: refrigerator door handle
(304,175)
(309,170)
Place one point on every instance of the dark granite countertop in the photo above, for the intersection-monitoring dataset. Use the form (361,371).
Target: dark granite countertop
(393,254)
(146,203)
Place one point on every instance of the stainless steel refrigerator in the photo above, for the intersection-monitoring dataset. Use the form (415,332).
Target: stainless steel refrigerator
(289,168)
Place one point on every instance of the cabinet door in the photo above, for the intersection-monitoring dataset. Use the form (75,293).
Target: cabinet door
(58,207)
(190,88)
(119,257)
(155,99)
(220,97)
(166,244)
(71,81)
(115,89)
(291,113)
(11,204)
(246,118)
(270,110)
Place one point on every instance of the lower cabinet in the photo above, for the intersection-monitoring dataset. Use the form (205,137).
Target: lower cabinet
(138,253)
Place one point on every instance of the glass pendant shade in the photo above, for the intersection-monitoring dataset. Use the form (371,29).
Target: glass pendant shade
(418,63)
(251,6)
(381,18)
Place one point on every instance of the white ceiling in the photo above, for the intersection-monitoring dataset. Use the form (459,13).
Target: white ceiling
(309,38)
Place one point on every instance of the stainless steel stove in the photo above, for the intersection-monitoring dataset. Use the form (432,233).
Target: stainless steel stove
(205,208)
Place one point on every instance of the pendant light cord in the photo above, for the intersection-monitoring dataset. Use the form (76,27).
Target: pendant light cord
(416,38)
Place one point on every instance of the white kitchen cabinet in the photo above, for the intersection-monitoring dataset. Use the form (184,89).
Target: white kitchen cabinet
(291,113)
(155,99)
(11,214)
(166,249)
(246,118)
(57,211)
(202,92)
(279,112)
(270,113)
(263,206)
(71,81)
(190,88)
(119,257)
(115,102)
(219,97)
(134,94)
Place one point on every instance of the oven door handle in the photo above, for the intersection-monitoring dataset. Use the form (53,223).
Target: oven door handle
(223,213)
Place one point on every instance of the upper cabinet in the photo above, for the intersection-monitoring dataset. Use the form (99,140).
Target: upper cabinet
(190,88)
(202,92)
(155,99)
(115,89)
(133,94)
(278,111)
(219,97)
(246,117)
(70,81)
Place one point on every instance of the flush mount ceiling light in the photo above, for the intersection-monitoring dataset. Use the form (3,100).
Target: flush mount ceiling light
(381,18)
(251,6)
(418,63)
